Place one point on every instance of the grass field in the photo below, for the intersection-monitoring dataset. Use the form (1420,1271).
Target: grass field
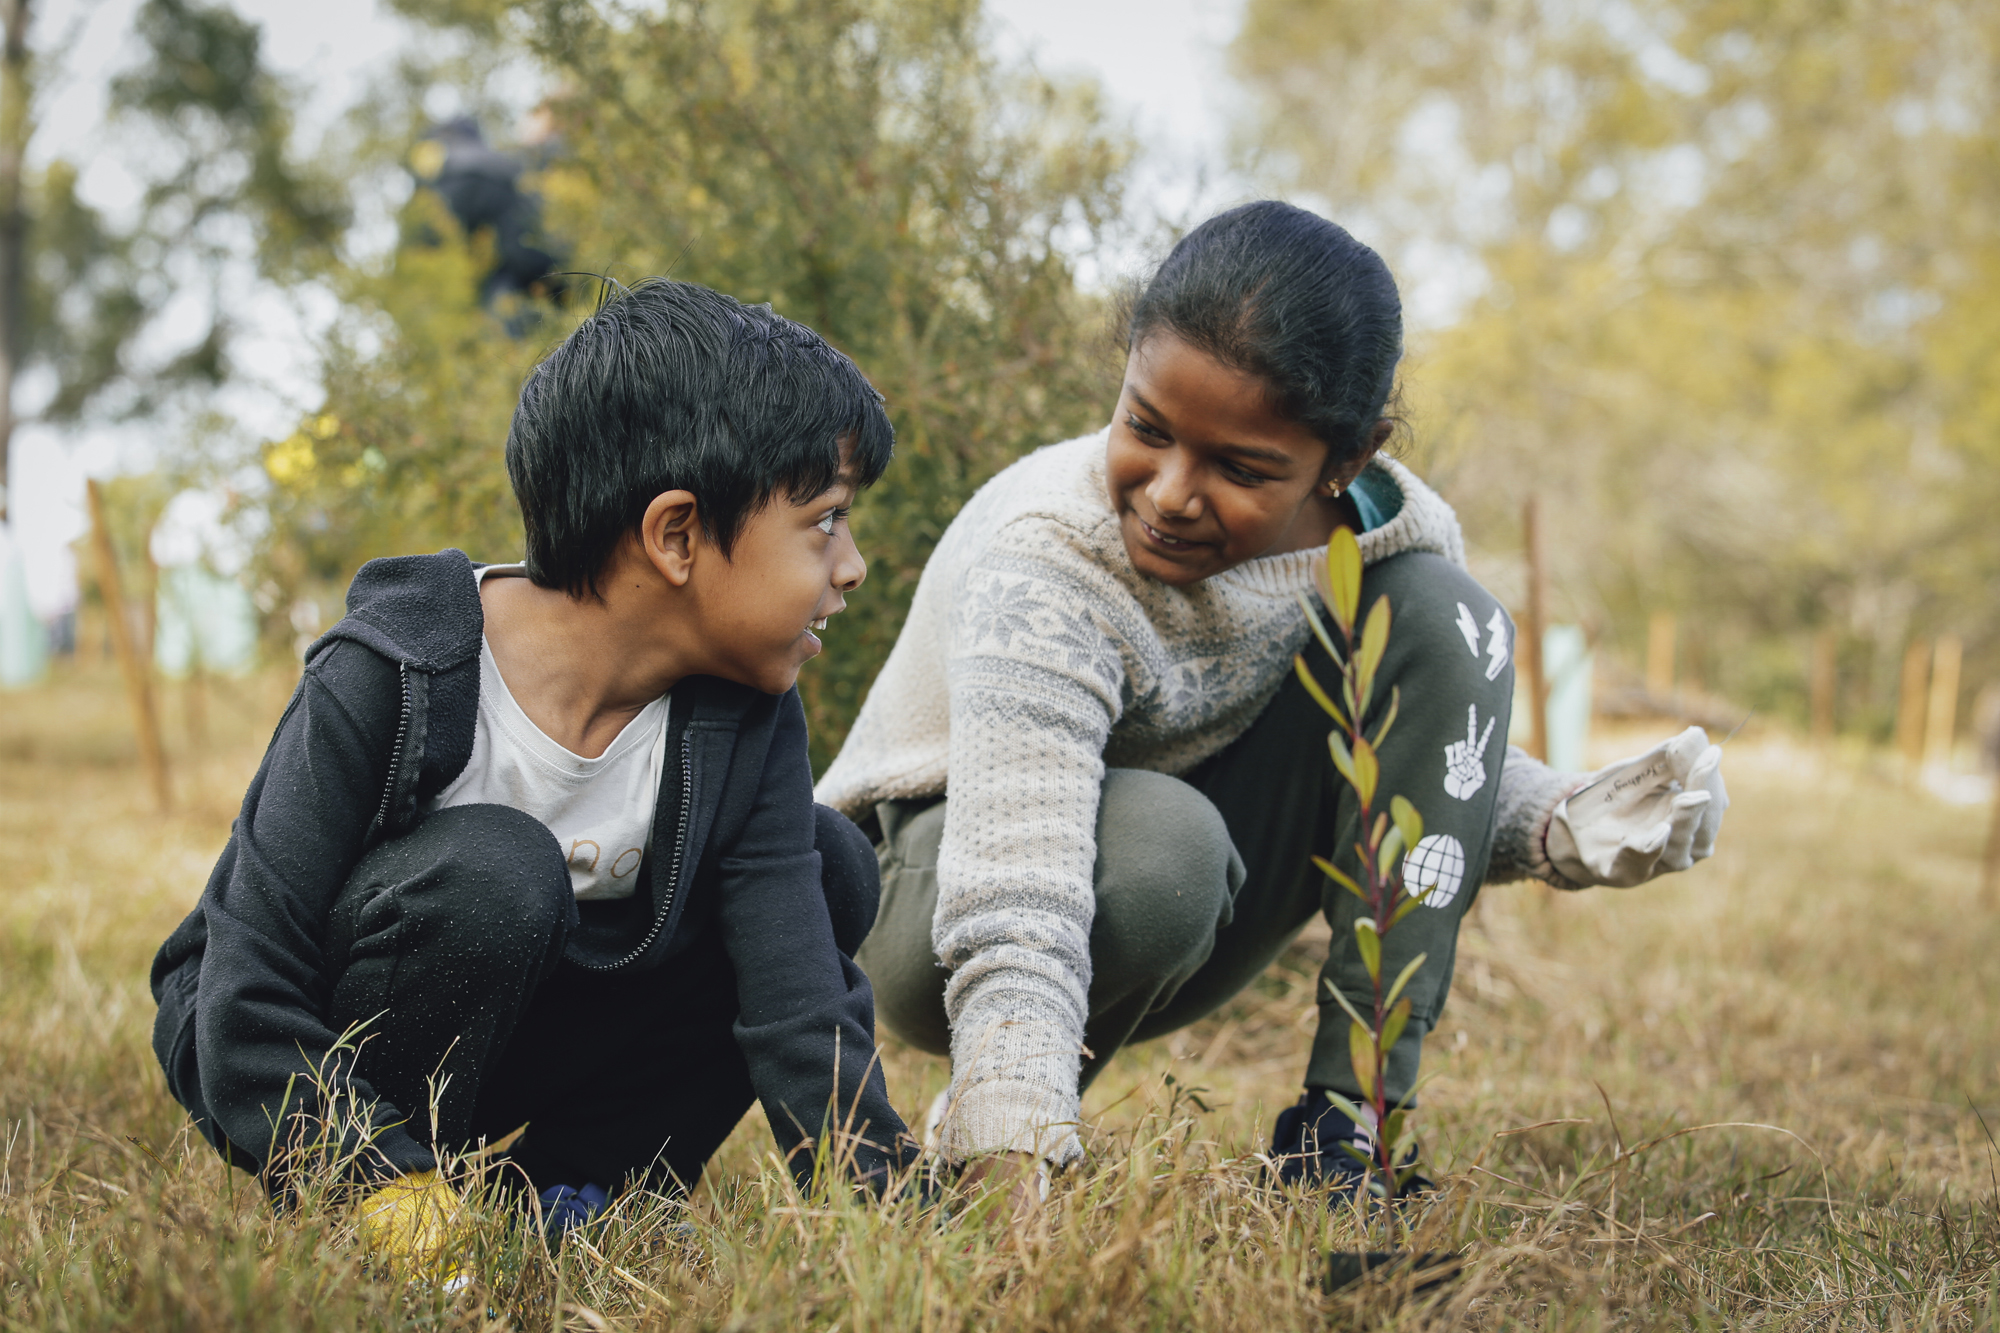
(1747,1098)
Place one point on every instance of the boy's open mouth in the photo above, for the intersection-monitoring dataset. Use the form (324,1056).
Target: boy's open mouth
(818,624)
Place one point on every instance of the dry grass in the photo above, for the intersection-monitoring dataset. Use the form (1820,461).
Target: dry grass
(1825,993)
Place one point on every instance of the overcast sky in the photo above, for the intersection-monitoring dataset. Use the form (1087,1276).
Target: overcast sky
(1160,60)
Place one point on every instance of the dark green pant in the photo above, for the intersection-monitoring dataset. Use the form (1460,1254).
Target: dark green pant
(1202,881)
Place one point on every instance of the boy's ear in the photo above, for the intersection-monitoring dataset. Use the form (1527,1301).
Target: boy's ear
(669,533)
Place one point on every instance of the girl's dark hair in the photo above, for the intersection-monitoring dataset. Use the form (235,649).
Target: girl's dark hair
(1289,297)
(671,386)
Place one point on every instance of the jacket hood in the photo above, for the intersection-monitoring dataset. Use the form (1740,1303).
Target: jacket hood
(422,610)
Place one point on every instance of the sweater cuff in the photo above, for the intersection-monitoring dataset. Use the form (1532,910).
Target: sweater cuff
(1529,793)
(1011,1115)
(1013,1089)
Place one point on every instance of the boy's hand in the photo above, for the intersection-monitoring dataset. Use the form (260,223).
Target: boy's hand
(412,1223)
(1649,815)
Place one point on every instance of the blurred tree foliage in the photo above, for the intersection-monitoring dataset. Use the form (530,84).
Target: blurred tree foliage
(863,166)
(214,129)
(1735,266)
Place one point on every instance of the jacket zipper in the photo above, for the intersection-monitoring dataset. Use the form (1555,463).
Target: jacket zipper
(674,871)
(395,751)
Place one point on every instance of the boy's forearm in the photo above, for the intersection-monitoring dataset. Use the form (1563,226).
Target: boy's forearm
(261,1042)
(806,1013)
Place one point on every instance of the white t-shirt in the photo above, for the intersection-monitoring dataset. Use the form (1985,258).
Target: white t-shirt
(601,810)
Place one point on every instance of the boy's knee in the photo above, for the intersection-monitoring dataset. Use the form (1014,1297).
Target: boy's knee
(850,875)
(1167,875)
(489,873)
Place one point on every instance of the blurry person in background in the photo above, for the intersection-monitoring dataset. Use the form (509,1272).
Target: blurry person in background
(481,185)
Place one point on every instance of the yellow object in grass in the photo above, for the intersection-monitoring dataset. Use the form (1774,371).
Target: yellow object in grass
(412,1223)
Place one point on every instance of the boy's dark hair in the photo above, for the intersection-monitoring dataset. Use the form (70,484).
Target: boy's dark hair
(671,386)
(1285,295)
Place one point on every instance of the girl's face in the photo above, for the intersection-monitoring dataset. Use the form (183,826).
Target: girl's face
(1205,475)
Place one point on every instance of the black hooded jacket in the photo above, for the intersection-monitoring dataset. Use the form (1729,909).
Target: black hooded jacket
(381,722)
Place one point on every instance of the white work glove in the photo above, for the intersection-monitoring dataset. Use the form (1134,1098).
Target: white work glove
(1642,817)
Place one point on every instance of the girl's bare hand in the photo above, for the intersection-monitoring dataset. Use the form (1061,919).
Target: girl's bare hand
(1024,1176)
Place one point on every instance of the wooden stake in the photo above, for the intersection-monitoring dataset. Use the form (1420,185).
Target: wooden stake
(1989,879)
(1821,686)
(1910,704)
(1941,718)
(138,679)
(1660,655)
(1528,648)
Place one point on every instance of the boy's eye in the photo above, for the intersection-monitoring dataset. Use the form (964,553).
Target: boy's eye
(831,521)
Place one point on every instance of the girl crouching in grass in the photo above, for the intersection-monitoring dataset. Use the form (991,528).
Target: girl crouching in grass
(1095,784)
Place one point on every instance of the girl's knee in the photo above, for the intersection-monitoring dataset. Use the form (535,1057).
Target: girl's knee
(1167,873)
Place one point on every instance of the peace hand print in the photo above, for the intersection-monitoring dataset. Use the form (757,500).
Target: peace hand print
(1465,761)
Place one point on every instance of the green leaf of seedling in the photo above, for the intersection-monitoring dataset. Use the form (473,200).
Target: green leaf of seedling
(1319,632)
(1407,819)
(1374,642)
(1371,947)
(1392,1027)
(1367,769)
(1392,848)
(1339,876)
(1342,759)
(1389,718)
(1403,977)
(1360,1155)
(1343,576)
(1392,1134)
(1312,688)
(1361,1054)
(1345,1107)
(1346,1005)
(1410,903)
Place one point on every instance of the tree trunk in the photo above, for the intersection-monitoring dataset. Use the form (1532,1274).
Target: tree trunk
(1528,639)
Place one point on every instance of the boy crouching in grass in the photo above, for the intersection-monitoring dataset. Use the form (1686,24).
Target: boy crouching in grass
(545,832)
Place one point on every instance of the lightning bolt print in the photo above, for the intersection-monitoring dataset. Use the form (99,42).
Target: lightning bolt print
(1469,628)
(1496,642)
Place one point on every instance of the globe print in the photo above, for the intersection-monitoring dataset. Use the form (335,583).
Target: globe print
(1439,860)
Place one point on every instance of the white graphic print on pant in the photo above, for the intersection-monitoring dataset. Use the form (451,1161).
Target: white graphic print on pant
(1496,638)
(1465,761)
(1438,864)
(601,810)
(1496,644)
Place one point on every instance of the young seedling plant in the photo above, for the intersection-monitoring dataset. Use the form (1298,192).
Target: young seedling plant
(1386,836)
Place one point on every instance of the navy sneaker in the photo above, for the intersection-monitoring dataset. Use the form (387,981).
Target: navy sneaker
(565,1208)
(1314,1144)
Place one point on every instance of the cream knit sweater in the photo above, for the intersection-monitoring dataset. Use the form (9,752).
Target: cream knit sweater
(1035,656)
